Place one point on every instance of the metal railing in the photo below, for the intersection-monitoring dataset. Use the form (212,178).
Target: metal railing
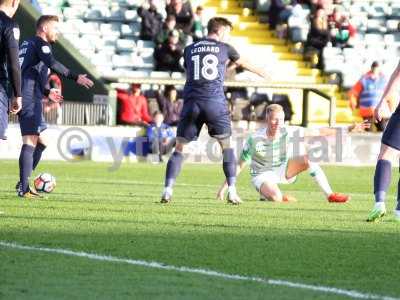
(326,91)
(76,113)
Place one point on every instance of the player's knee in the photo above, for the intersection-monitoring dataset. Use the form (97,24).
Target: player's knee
(179,147)
(30,140)
(225,143)
(306,162)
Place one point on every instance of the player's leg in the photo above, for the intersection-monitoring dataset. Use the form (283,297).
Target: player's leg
(41,144)
(299,164)
(30,120)
(382,179)
(26,163)
(229,168)
(37,154)
(174,166)
(219,127)
(390,149)
(188,130)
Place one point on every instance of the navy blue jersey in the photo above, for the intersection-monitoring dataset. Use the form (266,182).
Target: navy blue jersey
(36,58)
(9,66)
(205,62)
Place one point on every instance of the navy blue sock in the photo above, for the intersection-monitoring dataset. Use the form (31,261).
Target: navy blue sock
(398,195)
(173,168)
(382,178)
(37,155)
(25,166)
(229,166)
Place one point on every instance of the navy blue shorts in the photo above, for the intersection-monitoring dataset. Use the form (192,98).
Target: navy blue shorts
(391,135)
(196,113)
(4,103)
(31,120)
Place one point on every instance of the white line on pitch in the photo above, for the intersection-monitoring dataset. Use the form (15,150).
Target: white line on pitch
(157,265)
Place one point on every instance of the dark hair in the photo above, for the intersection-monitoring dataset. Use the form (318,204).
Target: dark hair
(216,23)
(168,89)
(43,20)
(170,18)
(375,64)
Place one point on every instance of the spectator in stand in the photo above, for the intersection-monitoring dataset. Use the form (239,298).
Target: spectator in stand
(279,11)
(169,26)
(160,136)
(170,105)
(151,20)
(198,24)
(133,108)
(318,37)
(36,5)
(340,28)
(168,55)
(367,92)
(183,13)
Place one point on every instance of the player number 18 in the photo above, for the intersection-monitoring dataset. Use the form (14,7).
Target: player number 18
(208,69)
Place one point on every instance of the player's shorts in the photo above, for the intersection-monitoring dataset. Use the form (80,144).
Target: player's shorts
(4,107)
(197,113)
(31,120)
(391,135)
(276,175)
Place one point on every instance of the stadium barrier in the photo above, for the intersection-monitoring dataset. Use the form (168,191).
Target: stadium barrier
(325,91)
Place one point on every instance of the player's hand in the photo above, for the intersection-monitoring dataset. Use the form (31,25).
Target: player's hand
(55,95)
(360,126)
(84,81)
(221,191)
(16,105)
(265,75)
(378,112)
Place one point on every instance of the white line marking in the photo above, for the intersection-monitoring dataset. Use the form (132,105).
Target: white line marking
(157,265)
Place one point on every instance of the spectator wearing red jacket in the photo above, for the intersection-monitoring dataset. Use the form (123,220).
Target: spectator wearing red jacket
(133,108)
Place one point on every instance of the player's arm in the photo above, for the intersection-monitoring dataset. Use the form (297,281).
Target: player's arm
(393,83)
(47,57)
(252,68)
(331,131)
(12,46)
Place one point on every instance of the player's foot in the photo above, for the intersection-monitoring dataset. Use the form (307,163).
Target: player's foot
(18,186)
(166,196)
(288,198)
(376,214)
(29,194)
(338,198)
(233,197)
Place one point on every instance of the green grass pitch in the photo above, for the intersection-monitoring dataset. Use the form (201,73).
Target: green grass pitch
(118,214)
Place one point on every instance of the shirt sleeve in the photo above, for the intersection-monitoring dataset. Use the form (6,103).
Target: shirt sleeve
(247,150)
(46,55)
(233,55)
(11,35)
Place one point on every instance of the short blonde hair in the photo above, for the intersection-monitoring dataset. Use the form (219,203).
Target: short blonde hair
(273,108)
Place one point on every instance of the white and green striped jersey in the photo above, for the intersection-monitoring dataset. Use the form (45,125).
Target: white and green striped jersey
(265,154)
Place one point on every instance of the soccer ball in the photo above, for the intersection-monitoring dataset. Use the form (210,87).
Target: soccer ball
(45,182)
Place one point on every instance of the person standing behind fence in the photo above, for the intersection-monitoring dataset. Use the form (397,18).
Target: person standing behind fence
(10,71)
(36,59)
(367,92)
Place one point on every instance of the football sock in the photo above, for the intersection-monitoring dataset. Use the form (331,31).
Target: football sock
(398,196)
(37,155)
(25,166)
(382,178)
(229,166)
(319,177)
(173,168)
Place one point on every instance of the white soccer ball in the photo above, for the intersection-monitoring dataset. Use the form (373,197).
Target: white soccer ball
(45,182)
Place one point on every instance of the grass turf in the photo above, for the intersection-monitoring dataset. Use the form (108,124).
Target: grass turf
(118,214)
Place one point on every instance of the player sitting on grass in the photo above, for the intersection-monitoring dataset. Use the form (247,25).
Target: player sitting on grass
(271,152)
